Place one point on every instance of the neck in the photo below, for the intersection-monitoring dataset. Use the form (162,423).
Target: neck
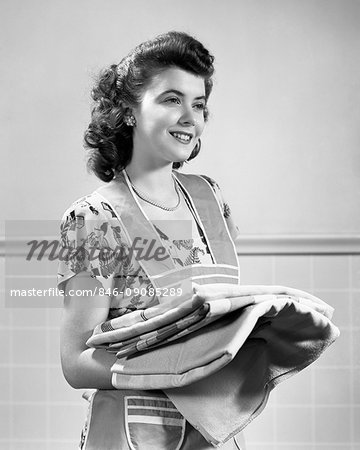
(156,182)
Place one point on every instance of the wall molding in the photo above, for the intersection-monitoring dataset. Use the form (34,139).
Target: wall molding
(298,244)
(248,244)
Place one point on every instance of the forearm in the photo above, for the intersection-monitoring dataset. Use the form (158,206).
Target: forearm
(84,367)
(90,369)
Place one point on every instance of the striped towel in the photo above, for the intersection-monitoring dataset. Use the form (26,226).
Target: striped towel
(220,376)
(142,321)
(161,324)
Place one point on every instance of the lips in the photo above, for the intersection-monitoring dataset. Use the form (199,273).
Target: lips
(182,137)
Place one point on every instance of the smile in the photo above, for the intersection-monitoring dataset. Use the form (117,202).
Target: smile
(185,138)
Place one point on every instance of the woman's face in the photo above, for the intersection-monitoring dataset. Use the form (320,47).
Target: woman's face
(170,118)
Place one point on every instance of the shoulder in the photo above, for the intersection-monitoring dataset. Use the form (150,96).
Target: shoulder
(90,221)
(216,188)
(89,207)
(213,184)
(224,206)
(208,179)
(87,216)
(211,181)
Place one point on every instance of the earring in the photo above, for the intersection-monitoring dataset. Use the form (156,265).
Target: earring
(197,147)
(130,120)
(195,151)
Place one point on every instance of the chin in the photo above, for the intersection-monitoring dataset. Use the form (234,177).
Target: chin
(184,155)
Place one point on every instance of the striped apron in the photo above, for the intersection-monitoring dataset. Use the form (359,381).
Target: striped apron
(148,420)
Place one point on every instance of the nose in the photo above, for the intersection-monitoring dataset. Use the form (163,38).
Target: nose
(187,117)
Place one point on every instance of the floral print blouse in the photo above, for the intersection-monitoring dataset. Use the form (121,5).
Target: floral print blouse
(90,224)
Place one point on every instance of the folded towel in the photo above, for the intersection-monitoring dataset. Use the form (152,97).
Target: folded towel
(220,376)
(218,354)
(284,323)
(165,334)
(225,290)
(128,335)
(142,321)
(209,312)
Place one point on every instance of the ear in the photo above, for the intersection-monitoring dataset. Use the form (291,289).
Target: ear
(128,111)
(126,107)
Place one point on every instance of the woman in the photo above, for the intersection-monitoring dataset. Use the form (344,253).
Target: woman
(149,114)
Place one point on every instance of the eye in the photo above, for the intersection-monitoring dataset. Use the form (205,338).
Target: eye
(172,100)
(200,106)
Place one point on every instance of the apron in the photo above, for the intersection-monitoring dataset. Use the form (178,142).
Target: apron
(148,420)
(141,420)
(201,199)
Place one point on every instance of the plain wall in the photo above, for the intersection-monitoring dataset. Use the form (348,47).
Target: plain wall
(283,136)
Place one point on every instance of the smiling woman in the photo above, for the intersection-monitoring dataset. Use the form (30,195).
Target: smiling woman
(150,111)
(121,88)
(169,120)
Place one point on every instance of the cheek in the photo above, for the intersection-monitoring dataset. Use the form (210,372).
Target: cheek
(150,119)
(151,126)
(157,120)
(200,127)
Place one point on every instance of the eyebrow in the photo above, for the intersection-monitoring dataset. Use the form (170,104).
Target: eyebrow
(181,94)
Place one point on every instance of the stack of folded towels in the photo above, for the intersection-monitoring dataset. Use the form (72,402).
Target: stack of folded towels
(218,354)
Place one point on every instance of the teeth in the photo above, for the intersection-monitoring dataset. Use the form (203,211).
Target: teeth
(183,137)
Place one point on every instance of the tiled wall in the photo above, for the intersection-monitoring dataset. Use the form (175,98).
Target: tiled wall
(317,409)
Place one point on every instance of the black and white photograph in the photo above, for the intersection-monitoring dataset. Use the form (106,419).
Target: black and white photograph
(180,237)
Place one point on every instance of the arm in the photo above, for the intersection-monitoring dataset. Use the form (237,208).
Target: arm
(84,367)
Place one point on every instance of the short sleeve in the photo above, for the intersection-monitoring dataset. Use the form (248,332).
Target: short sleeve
(86,244)
(225,208)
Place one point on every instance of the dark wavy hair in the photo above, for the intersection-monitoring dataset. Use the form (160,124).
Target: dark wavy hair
(107,137)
